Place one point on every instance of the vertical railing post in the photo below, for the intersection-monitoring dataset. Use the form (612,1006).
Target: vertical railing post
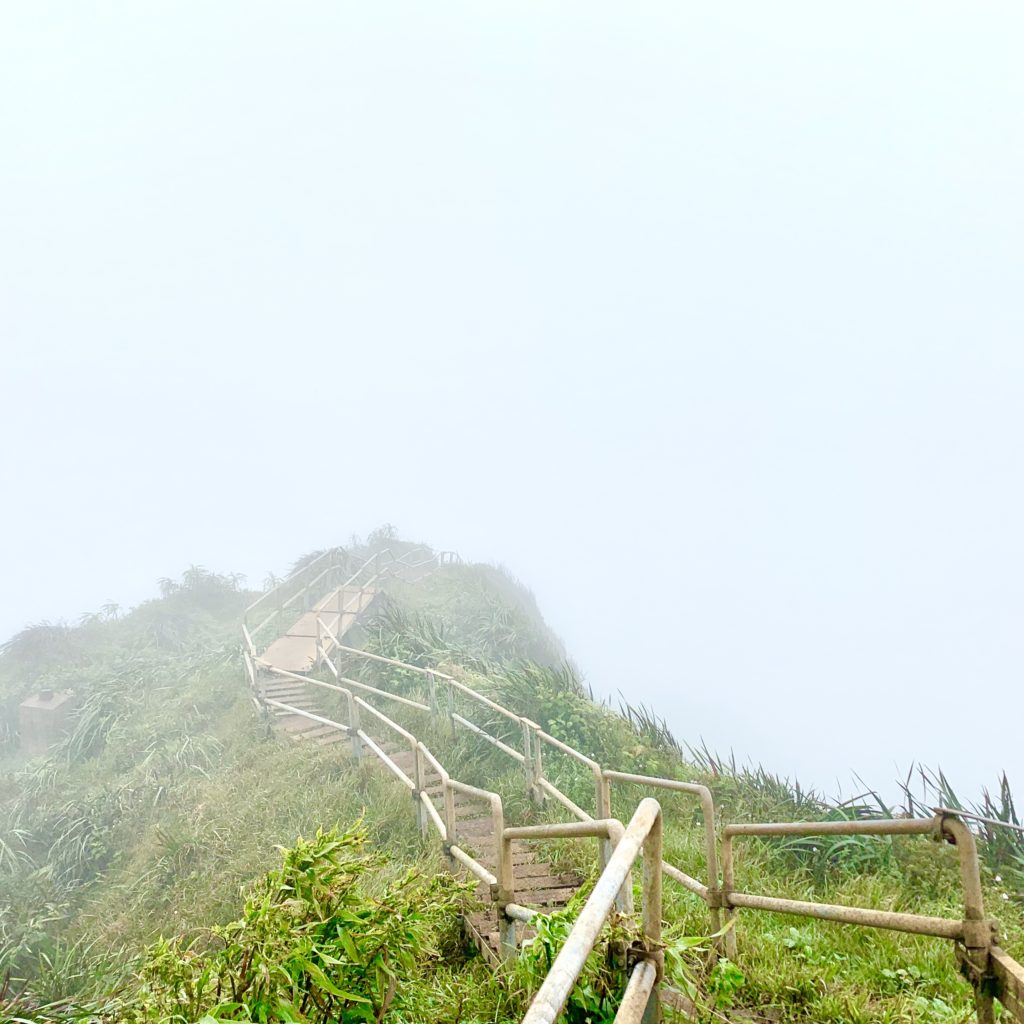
(354,726)
(506,881)
(536,790)
(603,803)
(728,884)
(451,707)
(528,755)
(978,934)
(449,811)
(259,678)
(652,911)
(419,777)
(624,899)
(707,803)
(433,695)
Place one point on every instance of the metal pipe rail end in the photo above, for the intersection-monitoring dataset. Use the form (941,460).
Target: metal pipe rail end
(643,833)
(602,828)
(974,932)
(522,914)
(707,803)
(472,865)
(636,1000)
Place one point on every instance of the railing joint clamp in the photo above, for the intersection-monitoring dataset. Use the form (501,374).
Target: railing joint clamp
(976,966)
(718,899)
(637,952)
(979,935)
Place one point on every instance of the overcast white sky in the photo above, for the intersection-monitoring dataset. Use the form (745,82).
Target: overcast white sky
(705,319)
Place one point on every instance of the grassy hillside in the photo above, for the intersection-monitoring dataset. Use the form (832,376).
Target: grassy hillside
(144,860)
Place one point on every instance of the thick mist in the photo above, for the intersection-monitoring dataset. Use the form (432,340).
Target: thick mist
(705,322)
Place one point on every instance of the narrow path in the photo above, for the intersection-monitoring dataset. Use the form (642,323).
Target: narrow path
(296,650)
(538,884)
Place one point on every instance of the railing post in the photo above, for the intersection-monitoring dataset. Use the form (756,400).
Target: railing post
(537,790)
(506,881)
(451,707)
(603,802)
(354,726)
(449,814)
(433,695)
(419,777)
(978,932)
(652,912)
(707,804)
(260,679)
(624,900)
(531,782)
(728,884)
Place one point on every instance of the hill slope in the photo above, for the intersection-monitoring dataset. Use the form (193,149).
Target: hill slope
(171,795)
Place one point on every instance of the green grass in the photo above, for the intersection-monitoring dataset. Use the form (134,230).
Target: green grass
(171,798)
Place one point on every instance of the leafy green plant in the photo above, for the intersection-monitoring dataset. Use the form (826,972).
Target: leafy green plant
(595,997)
(312,945)
(724,982)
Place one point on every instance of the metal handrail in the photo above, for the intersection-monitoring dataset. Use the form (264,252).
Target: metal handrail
(643,835)
(992,971)
(426,815)
(288,579)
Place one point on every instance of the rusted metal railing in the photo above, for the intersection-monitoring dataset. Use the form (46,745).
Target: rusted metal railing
(992,972)
(974,933)
(643,835)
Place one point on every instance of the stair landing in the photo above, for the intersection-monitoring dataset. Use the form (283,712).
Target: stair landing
(296,650)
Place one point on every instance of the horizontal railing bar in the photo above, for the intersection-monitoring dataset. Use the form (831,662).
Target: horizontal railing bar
(319,576)
(557,794)
(282,671)
(649,780)
(438,767)
(566,749)
(392,661)
(306,714)
(372,744)
(380,716)
(979,817)
(345,609)
(638,993)
(688,881)
(500,744)
(601,828)
(304,590)
(267,620)
(914,924)
(467,790)
(370,689)
(520,913)
(327,629)
(250,646)
(327,661)
(434,816)
(289,578)
(481,699)
(565,971)
(365,687)
(474,866)
(857,827)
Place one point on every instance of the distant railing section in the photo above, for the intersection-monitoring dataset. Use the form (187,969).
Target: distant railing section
(334,568)
(992,973)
